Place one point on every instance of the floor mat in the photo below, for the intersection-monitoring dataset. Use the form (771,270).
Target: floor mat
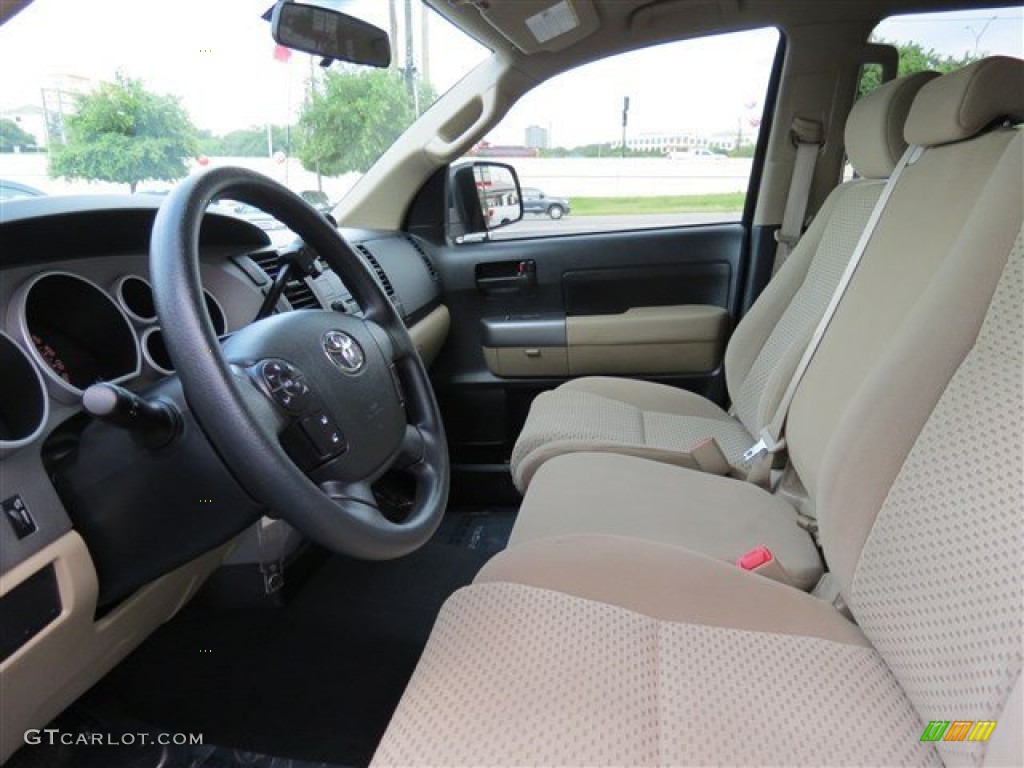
(479,529)
(316,679)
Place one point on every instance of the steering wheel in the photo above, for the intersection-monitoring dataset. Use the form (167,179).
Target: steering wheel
(306,408)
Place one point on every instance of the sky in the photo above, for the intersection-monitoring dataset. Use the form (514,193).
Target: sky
(715,84)
(217,56)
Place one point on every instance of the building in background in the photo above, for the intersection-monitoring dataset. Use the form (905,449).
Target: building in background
(31,119)
(537,137)
(680,141)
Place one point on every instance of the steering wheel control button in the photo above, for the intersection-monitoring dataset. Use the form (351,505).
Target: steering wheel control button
(18,516)
(286,384)
(344,352)
(321,430)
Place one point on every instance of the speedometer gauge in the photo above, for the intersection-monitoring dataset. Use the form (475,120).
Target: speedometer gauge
(50,357)
(77,334)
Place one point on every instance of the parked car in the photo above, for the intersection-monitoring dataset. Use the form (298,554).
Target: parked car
(254,215)
(318,199)
(11,190)
(536,201)
(698,153)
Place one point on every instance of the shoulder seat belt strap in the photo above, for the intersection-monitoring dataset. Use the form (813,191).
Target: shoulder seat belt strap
(772,437)
(808,136)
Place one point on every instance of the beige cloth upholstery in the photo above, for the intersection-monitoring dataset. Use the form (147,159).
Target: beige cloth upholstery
(961,104)
(874,131)
(668,583)
(594,650)
(625,496)
(628,417)
(914,241)
(920,499)
(591,683)
(939,586)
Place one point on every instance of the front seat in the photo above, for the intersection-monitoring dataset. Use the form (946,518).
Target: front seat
(655,421)
(601,650)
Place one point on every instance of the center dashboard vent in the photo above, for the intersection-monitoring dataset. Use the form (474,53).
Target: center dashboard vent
(382,276)
(297,292)
(426,259)
(267,260)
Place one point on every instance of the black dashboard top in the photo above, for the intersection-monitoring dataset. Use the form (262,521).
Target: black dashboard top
(42,228)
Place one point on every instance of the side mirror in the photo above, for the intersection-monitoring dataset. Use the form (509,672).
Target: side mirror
(483,196)
(329,33)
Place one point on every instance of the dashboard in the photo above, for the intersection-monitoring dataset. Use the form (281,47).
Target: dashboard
(76,308)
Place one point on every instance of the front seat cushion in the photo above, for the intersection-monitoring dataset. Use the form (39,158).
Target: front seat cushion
(610,677)
(623,416)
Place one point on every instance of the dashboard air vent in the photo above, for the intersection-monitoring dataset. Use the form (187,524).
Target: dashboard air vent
(423,255)
(298,292)
(268,261)
(381,274)
(300,295)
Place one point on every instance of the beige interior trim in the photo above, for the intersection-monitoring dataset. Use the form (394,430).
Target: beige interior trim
(678,339)
(472,107)
(668,583)
(649,325)
(527,361)
(688,357)
(429,334)
(74,651)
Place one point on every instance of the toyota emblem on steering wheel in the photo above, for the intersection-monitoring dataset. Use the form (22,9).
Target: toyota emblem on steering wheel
(344,351)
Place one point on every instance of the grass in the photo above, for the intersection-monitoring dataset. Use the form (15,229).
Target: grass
(610,206)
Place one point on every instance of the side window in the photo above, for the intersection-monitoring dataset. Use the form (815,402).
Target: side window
(660,137)
(944,42)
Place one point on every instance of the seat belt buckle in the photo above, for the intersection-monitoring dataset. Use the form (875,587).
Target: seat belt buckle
(754,558)
(765,444)
(762,561)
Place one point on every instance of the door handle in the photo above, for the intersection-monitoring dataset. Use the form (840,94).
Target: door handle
(506,277)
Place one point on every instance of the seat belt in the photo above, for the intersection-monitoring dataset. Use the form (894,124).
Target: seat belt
(772,437)
(808,136)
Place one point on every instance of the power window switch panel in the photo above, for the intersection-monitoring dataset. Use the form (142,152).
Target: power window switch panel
(18,516)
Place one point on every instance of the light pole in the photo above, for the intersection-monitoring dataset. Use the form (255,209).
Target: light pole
(978,35)
(625,121)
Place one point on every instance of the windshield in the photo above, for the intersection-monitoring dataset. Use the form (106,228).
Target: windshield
(128,96)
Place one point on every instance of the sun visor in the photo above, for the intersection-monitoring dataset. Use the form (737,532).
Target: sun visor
(539,25)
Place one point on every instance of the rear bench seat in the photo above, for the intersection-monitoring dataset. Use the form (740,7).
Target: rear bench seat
(596,649)
(659,422)
(935,255)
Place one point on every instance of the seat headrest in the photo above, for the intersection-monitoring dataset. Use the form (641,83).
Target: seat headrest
(961,104)
(874,128)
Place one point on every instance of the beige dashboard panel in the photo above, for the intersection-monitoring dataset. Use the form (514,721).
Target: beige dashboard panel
(74,651)
(527,361)
(429,334)
(678,339)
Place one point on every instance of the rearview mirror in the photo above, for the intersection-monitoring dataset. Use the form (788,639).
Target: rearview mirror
(485,196)
(329,33)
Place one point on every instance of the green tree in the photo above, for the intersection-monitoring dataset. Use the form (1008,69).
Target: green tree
(352,116)
(607,149)
(245,142)
(913,58)
(11,136)
(123,133)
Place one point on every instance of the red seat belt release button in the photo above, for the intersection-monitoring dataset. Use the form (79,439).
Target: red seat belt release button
(755,558)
